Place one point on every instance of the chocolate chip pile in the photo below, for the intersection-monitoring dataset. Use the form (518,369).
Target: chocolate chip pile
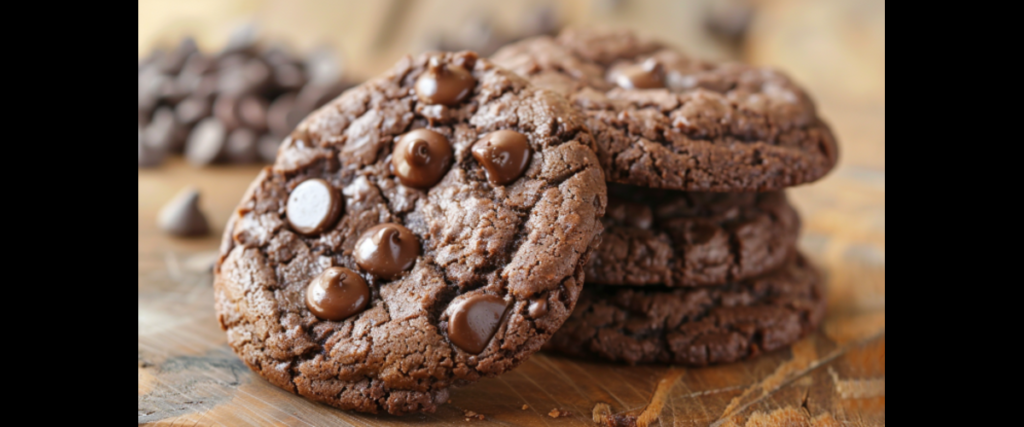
(235,106)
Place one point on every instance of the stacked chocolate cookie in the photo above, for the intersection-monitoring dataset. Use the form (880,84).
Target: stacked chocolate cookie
(425,229)
(698,263)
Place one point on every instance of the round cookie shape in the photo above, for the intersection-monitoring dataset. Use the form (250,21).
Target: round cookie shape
(665,120)
(695,326)
(461,237)
(676,239)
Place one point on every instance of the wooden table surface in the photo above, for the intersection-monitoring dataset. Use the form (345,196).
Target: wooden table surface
(835,377)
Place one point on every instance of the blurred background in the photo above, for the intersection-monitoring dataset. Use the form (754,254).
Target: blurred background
(836,48)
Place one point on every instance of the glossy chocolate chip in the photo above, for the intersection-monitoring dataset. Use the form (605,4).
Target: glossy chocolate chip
(337,294)
(504,154)
(474,321)
(446,84)
(648,75)
(181,216)
(313,206)
(206,143)
(628,213)
(421,158)
(387,250)
(538,307)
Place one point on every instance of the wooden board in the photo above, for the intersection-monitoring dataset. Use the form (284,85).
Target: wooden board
(188,375)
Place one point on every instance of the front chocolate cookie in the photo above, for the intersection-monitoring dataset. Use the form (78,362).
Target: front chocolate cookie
(425,229)
(696,326)
(675,238)
(664,120)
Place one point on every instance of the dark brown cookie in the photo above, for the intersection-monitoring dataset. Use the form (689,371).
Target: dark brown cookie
(664,120)
(675,238)
(696,326)
(378,214)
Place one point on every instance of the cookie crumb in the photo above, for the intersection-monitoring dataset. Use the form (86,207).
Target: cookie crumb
(601,412)
(558,413)
(525,407)
(470,414)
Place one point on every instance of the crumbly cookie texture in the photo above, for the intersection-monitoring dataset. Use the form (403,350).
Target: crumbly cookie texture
(695,326)
(523,244)
(674,238)
(664,120)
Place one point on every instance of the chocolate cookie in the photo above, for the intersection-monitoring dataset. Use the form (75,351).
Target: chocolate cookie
(676,238)
(425,229)
(697,326)
(664,120)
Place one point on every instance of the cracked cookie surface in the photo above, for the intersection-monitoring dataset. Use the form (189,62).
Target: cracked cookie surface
(523,244)
(695,326)
(664,120)
(675,238)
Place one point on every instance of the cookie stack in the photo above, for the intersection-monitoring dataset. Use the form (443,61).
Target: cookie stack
(698,263)
(434,226)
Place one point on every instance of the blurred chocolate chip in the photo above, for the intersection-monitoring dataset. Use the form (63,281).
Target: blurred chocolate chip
(314,95)
(181,216)
(253,113)
(267,147)
(192,110)
(323,66)
(225,108)
(148,156)
(278,114)
(729,19)
(164,133)
(278,53)
(151,84)
(289,77)
(172,61)
(206,143)
(242,39)
(241,146)
(542,20)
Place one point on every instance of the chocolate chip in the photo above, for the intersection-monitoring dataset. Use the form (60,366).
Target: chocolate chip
(206,142)
(267,147)
(289,76)
(337,294)
(181,216)
(421,158)
(628,213)
(314,95)
(474,321)
(538,307)
(164,133)
(387,250)
(253,113)
(192,110)
(323,66)
(148,156)
(280,119)
(445,84)
(504,154)
(313,206)
(225,108)
(241,146)
(648,75)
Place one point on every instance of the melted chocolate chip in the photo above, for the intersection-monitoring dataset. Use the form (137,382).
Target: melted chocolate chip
(648,75)
(628,213)
(538,307)
(444,84)
(474,322)
(504,154)
(387,250)
(313,206)
(336,294)
(421,158)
